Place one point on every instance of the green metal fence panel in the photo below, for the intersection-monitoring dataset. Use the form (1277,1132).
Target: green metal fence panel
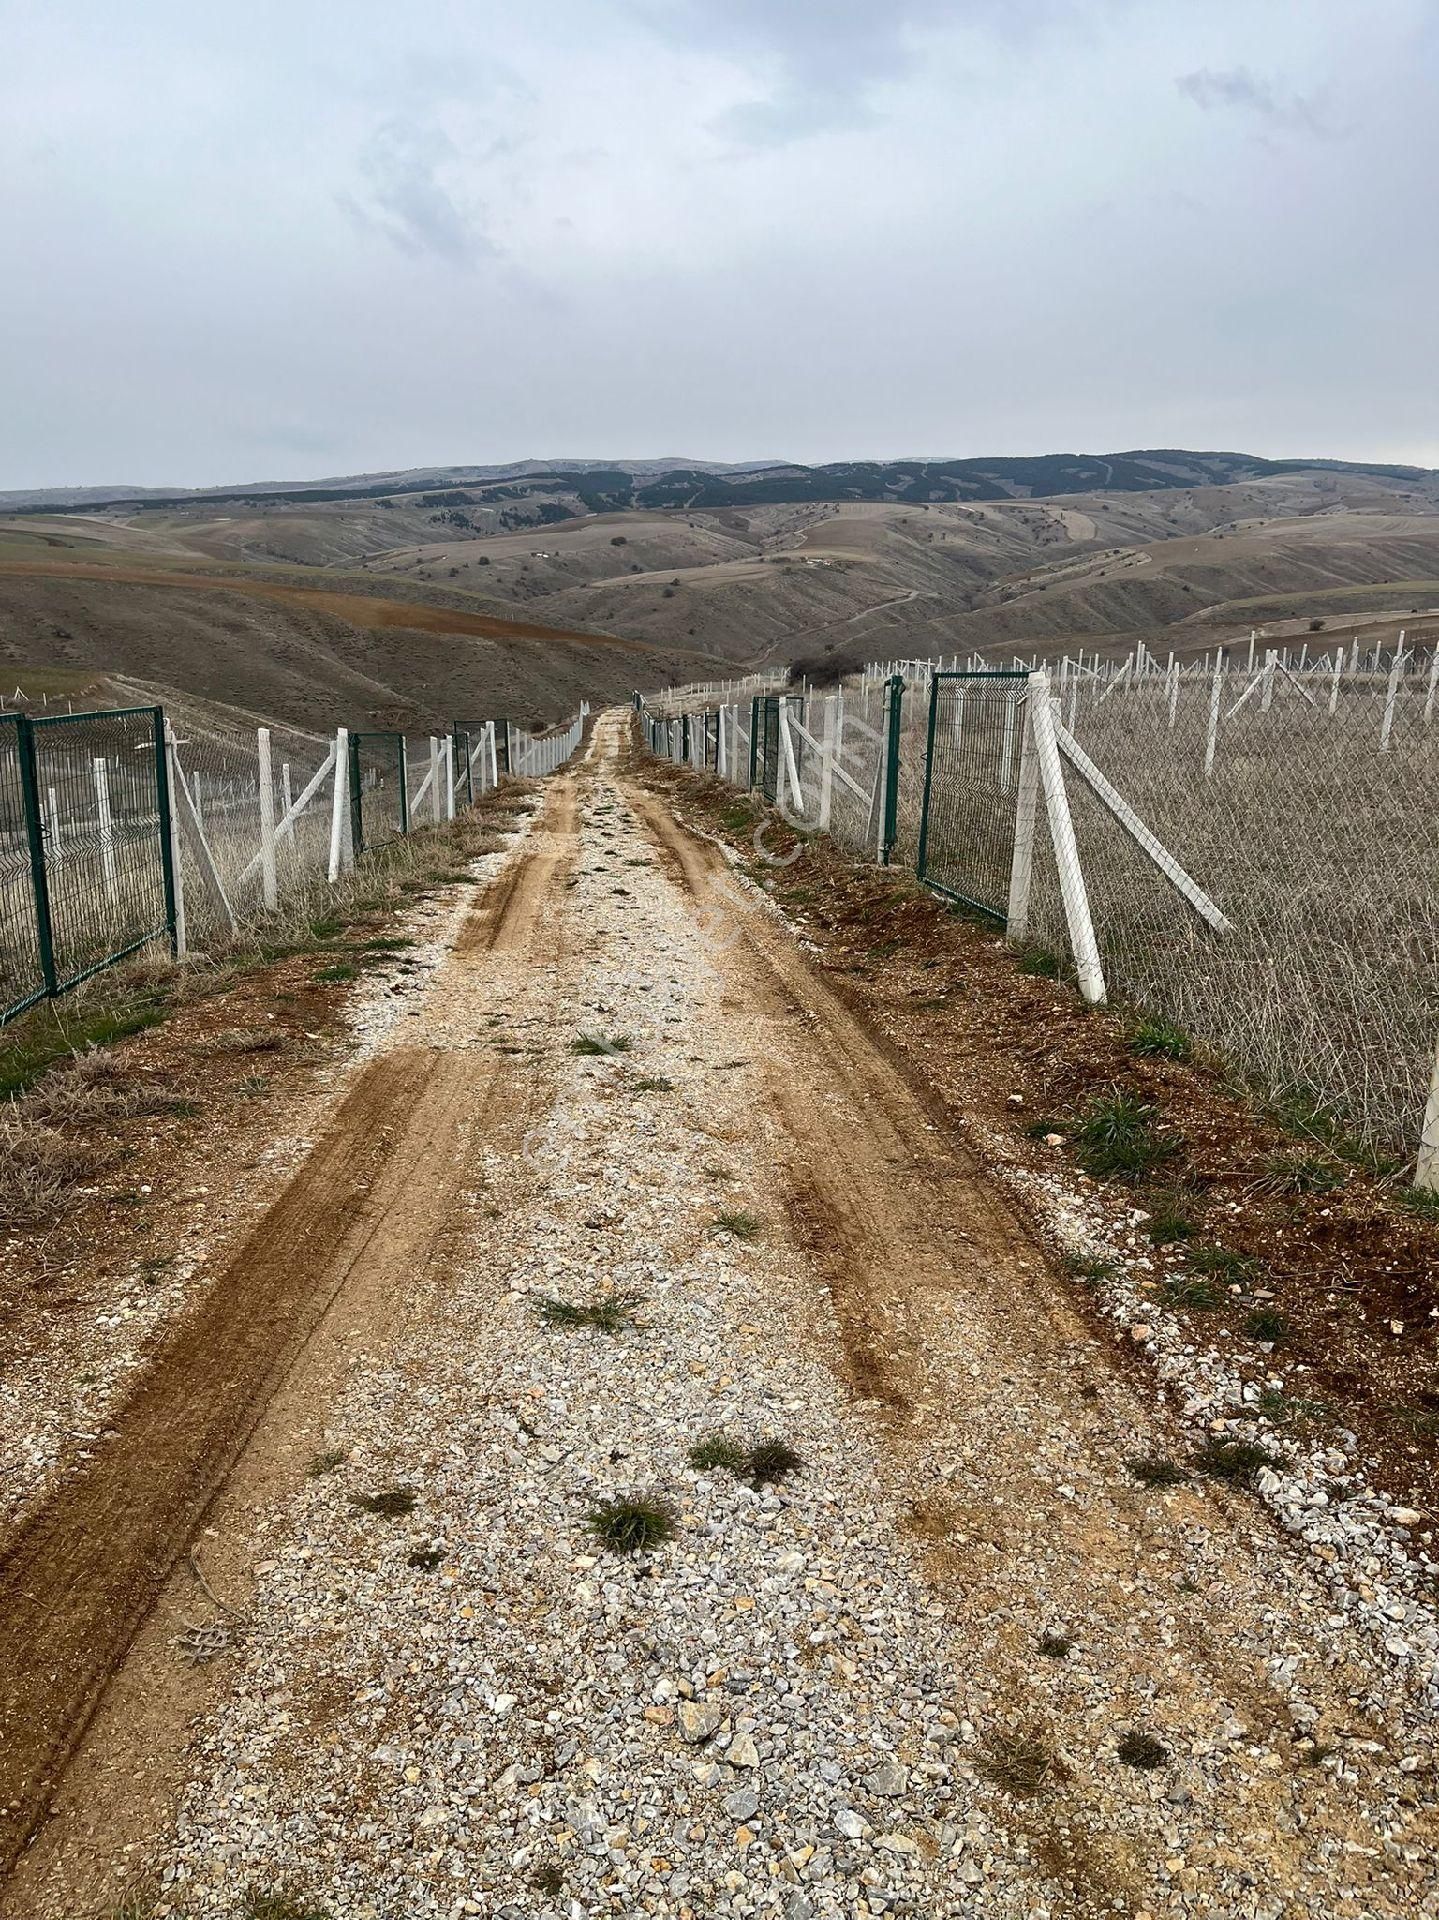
(379,808)
(769,749)
(98,790)
(974,741)
(894,716)
(23,956)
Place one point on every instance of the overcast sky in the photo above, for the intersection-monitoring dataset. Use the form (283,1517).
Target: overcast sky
(288,240)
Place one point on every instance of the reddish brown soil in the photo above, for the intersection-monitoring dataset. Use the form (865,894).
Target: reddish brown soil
(360,609)
(1353,1270)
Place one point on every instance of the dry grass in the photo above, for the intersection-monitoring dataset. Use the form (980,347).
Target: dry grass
(97,1088)
(40,1169)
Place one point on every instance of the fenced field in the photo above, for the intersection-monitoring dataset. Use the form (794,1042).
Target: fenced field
(121,828)
(1255,840)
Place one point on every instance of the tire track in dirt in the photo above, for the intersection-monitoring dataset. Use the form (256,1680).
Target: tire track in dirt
(357,1222)
(927,1266)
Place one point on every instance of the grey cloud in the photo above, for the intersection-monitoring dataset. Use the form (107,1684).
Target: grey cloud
(404,197)
(1239,89)
(823,60)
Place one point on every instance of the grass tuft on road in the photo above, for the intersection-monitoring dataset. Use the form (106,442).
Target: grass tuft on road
(636,1525)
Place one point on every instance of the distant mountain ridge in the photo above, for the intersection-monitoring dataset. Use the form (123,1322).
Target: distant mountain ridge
(611,486)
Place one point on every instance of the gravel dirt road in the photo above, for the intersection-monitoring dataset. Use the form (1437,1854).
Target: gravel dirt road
(957,1660)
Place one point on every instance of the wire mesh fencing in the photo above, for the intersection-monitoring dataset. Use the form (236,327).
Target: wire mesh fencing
(122,827)
(85,873)
(1248,847)
(1303,804)
(974,750)
(535,754)
(22,971)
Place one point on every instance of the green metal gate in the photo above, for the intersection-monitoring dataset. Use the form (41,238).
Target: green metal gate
(379,804)
(85,848)
(975,748)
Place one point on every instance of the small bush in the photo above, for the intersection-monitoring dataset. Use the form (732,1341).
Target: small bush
(1234,1460)
(717,1452)
(1192,1291)
(1117,1140)
(1297,1173)
(1153,1470)
(771,1461)
(1018,1762)
(326,1461)
(1161,1039)
(1040,962)
(40,1169)
(739,1224)
(633,1526)
(654,1083)
(1283,1409)
(1092,1272)
(1142,1750)
(1268,1324)
(389,1501)
(1054,1646)
(1234,1269)
(607,1312)
(596,1045)
(282,1903)
(1169,1220)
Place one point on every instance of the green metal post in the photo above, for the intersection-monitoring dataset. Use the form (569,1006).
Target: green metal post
(685,738)
(167,836)
(404,784)
(357,811)
(502,743)
(891,770)
(919,864)
(39,880)
(753,738)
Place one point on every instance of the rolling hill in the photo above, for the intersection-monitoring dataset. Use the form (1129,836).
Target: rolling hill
(400,599)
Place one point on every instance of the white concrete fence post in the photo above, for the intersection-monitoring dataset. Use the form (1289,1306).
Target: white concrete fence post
(340,804)
(1082,942)
(1426,1169)
(269,880)
(1021,866)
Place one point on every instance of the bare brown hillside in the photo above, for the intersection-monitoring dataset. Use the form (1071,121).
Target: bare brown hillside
(408,610)
(306,656)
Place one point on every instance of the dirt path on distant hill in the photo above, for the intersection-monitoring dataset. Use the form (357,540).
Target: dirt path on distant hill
(948,1656)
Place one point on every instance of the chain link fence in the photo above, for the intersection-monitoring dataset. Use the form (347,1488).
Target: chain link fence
(1305,807)
(1248,847)
(120,828)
